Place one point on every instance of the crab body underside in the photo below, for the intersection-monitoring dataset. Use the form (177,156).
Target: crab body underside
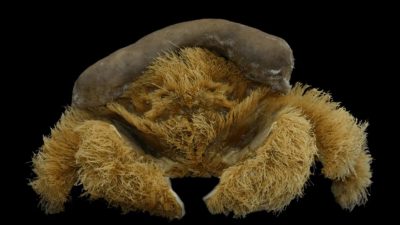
(192,113)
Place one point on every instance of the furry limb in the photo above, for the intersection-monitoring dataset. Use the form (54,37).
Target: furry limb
(342,144)
(276,175)
(117,171)
(54,164)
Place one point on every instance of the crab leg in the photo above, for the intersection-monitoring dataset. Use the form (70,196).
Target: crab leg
(274,176)
(117,170)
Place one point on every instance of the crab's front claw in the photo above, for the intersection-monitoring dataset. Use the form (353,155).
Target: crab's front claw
(274,176)
(112,169)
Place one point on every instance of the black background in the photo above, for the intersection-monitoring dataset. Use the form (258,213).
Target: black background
(341,49)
